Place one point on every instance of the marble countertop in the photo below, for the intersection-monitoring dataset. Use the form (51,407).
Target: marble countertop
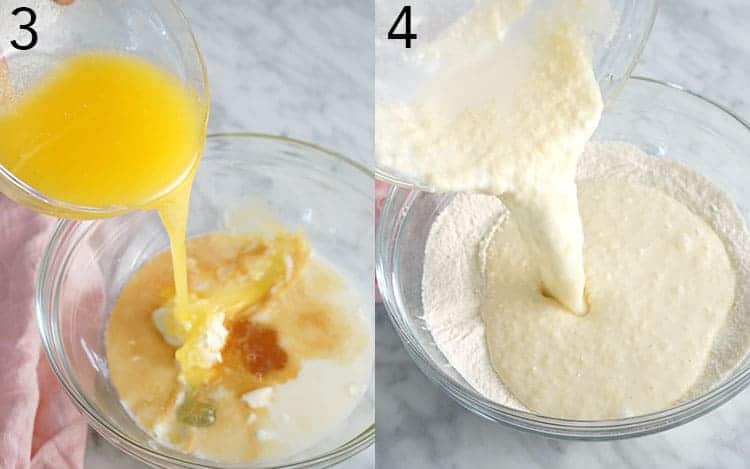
(695,43)
(298,68)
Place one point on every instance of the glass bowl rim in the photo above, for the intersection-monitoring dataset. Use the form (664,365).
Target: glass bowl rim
(48,327)
(398,203)
(29,192)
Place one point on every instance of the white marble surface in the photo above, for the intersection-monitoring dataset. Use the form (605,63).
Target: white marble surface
(702,45)
(300,68)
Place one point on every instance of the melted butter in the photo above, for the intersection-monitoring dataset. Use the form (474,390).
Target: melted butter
(108,130)
(103,130)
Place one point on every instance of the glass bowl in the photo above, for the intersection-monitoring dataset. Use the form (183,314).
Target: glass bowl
(155,31)
(664,120)
(613,58)
(325,195)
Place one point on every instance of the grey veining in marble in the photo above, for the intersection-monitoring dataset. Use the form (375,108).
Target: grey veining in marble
(299,68)
(703,45)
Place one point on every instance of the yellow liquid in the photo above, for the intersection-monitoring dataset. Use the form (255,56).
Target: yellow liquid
(103,130)
(109,131)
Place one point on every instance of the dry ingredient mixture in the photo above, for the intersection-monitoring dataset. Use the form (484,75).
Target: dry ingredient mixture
(656,315)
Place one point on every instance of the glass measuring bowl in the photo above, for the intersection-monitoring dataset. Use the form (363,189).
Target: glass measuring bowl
(614,57)
(155,31)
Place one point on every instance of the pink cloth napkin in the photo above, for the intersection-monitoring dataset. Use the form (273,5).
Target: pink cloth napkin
(39,426)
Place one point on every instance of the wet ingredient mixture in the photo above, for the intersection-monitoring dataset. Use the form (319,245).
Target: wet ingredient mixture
(278,355)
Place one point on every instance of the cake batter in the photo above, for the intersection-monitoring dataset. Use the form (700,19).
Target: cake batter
(659,285)
(510,117)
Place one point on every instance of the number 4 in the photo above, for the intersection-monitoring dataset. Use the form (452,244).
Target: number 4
(407,35)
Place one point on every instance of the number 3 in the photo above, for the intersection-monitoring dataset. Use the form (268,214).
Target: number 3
(26,27)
